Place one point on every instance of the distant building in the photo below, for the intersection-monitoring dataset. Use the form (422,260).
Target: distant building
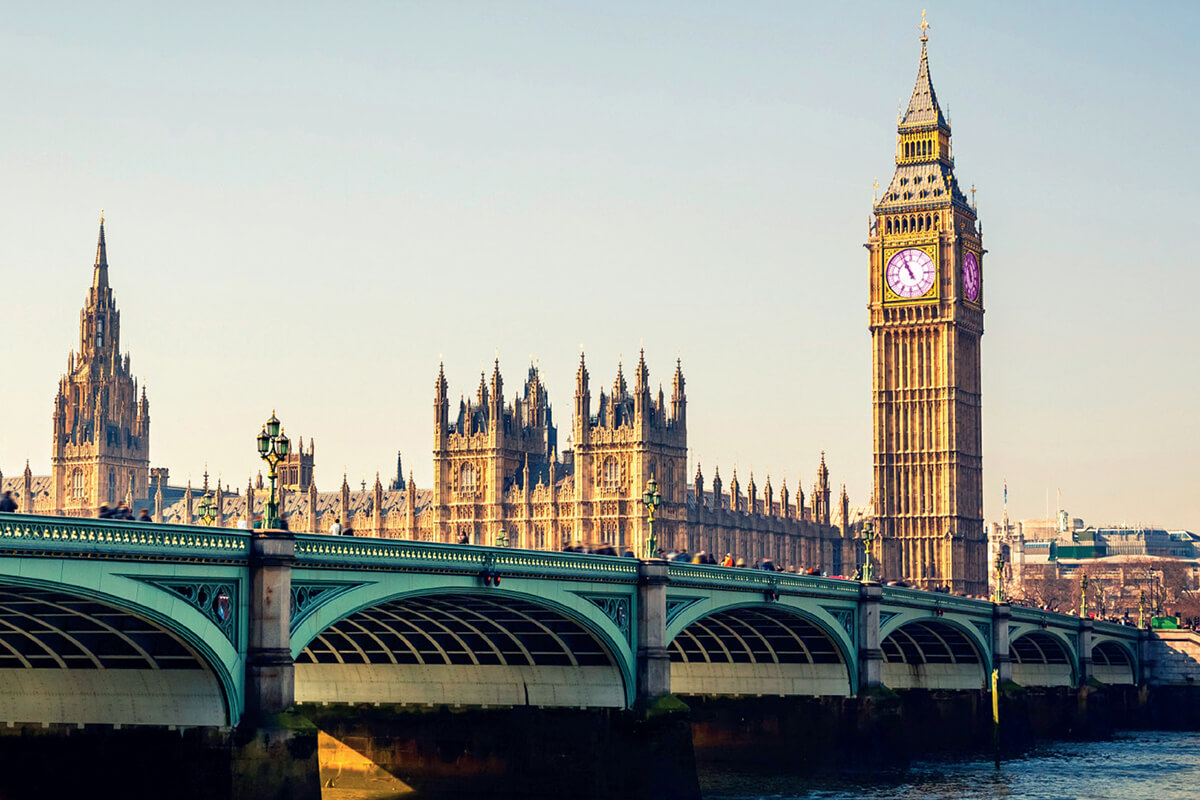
(1132,560)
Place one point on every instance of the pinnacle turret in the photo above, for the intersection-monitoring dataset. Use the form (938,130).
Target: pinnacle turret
(100,270)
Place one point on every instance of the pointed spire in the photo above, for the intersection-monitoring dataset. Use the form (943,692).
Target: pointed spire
(641,376)
(581,374)
(497,383)
(619,385)
(439,386)
(923,107)
(100,271)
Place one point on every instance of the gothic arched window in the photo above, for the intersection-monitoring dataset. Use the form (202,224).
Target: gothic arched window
(612,474)
(466,479)
(112,486)
(77,489)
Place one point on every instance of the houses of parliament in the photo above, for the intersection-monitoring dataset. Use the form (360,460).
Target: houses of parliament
(499,476)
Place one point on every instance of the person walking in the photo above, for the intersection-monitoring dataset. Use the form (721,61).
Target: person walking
(336,528)
(144,516)
(7,504)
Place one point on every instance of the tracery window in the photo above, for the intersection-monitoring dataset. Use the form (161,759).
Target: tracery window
(112,486)
(466,479)
(77,489)
(612,474)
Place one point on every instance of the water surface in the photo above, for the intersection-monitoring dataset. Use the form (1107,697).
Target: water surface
(1132,766)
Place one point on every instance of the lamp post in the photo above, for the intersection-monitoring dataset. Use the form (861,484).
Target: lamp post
(1142,609)
(868,538)
(999,567)
(1083,582)
(207,509)
(652,499)
(273,446)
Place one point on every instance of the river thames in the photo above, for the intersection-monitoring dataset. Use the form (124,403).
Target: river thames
(1143,765)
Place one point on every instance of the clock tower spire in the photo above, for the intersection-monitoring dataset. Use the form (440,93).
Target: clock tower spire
(926,320)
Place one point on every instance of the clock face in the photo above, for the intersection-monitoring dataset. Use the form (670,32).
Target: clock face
(970,275)
(910,273)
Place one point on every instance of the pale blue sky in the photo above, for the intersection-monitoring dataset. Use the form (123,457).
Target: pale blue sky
(308,204)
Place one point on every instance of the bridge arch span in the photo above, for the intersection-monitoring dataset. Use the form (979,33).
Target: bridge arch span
(1113,661)
(932,652)
(464,645)
(760,648)
(1042,658)
(130,653)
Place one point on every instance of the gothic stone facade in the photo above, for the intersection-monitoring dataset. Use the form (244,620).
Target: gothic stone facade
(101,440)
(498,477)
(926,320)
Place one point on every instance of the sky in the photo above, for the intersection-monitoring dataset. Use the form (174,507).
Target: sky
(309,205)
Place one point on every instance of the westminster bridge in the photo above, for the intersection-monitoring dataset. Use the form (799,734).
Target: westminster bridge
(133,624)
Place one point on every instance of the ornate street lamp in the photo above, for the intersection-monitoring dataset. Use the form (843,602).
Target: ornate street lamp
(501,538)
(999,567)
(868,538)
(1142,609)
(273,447)
(652,500)
(1083,582)
(207,509)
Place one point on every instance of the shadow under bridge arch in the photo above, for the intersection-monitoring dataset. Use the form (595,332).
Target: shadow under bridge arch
(923,654)
(757,650)
(465,649)
(67,658)
(1040,658)
(1112,662)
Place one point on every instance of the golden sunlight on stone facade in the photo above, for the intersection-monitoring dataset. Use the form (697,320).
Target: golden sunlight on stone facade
(926,320)
(100,452)
(499,478)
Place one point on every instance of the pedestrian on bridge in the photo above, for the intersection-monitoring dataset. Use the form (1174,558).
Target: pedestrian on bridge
(7,504)
(336,528)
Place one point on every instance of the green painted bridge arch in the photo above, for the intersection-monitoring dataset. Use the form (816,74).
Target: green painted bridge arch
(136,636)
(183,625)
(432,637)
(747,632)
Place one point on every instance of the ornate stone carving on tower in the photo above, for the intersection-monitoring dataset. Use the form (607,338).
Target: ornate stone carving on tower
(632,438)
(926,320)
(101,452)
(296,471)
(487,457)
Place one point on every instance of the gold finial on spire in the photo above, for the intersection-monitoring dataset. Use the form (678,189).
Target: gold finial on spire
(875,193)
(924,27)
(972,195)
(102,216)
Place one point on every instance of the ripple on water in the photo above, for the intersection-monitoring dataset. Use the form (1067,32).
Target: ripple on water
(1145,765)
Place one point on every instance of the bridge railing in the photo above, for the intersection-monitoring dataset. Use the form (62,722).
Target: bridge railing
(701,575)
(320,550)
(31,534)
(918,598)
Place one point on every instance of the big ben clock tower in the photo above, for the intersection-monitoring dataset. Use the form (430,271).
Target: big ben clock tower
(926,320)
